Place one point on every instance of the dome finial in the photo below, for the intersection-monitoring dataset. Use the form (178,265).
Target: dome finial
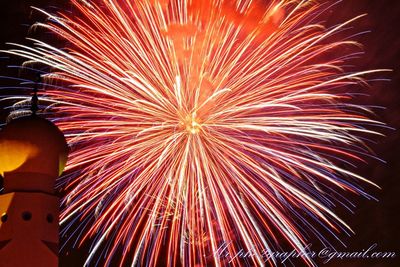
(35,99)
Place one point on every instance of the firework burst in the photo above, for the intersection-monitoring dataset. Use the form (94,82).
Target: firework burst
(198,123)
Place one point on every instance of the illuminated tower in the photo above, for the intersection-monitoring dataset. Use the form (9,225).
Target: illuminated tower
(33,153)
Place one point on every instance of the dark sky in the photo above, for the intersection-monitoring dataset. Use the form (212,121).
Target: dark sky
(373,222)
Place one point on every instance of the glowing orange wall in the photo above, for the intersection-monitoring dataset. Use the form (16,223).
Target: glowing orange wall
(28,241)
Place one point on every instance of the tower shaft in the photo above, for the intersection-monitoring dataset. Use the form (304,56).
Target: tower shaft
(29,229)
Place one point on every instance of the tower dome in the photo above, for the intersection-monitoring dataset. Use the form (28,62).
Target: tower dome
(33,153)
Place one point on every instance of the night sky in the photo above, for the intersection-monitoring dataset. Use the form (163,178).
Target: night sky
(373,222)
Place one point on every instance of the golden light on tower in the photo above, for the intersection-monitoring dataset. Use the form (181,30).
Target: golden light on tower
(33,153)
